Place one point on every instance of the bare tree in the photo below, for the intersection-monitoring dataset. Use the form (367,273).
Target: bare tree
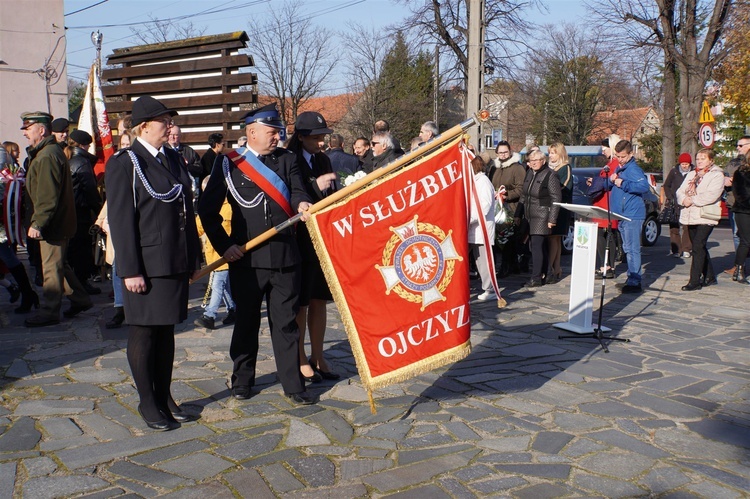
(507,25)
(295,57)
(689,35)
(160,31)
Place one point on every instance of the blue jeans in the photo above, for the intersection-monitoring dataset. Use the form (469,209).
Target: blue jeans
(219,292)
(631,245)
(116,285)
(735,235)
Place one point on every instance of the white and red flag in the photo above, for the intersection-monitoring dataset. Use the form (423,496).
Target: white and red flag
(95,121)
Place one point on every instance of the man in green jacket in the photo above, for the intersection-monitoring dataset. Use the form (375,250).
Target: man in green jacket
(53,222)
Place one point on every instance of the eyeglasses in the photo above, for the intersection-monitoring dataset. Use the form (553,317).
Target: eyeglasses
(373,143)
(743,145)
(534,160)
(167,121)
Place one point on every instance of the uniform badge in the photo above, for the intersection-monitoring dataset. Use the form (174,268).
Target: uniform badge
(418,262)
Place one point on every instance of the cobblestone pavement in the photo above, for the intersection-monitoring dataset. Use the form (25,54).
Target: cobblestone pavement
(526,415)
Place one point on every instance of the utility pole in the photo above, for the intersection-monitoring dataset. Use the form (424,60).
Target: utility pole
(475,77)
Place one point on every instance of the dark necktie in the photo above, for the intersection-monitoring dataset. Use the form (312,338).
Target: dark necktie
(312,162)
(163,159)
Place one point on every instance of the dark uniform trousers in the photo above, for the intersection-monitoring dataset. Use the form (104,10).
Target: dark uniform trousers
(281,289)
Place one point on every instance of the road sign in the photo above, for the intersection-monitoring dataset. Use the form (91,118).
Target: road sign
(706,135)
(706,116)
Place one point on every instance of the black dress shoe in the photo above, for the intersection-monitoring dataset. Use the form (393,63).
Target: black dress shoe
(41,321)
(631,288)
(326,374)
(692,287)
(163,424)
(92,290)
(553,279)
(301,398)
(315,378)
(184,417)
(709,282)
(76,309)
(241,392)
(533,284)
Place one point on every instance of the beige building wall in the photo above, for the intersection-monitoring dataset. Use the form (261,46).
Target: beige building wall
(34,76)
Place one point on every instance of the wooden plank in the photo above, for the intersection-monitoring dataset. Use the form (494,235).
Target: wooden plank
(231,117)
(174,68)
(171,54)
(191,102)
(134,89)
(191,138)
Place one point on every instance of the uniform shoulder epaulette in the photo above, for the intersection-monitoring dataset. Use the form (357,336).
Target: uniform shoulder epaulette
(120,151)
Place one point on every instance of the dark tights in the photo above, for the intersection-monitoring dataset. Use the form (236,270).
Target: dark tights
(151,355)
(539,260)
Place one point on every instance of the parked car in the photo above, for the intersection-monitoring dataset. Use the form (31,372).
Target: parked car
(651,227)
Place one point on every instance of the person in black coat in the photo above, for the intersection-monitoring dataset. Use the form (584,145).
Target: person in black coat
(741,210)
(320,181)
(152,226)
(680,245)
(341,162)
(541,189)
(270,269)
(88,204)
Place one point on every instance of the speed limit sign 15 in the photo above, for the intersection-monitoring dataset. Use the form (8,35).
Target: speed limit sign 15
(706,135)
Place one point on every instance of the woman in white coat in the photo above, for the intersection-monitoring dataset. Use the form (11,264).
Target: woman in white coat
(701,188)
(486,194)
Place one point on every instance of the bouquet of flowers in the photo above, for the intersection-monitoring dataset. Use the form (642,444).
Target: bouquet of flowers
(347,180)
(504,228)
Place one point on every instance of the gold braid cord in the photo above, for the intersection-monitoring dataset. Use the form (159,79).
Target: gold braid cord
(408,372)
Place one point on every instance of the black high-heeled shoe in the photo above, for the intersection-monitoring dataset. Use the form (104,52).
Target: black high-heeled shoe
(15,293)
(163,424)
(330,375)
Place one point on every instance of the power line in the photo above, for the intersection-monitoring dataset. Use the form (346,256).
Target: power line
(85,8)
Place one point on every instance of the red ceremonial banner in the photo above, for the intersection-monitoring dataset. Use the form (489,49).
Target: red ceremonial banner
(95,121)
(395,255)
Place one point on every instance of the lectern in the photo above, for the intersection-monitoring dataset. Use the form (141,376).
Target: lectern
(580,308)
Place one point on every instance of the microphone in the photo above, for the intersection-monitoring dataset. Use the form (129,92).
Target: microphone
(606,169)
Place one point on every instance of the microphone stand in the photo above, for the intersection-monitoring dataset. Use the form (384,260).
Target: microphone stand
(598,334)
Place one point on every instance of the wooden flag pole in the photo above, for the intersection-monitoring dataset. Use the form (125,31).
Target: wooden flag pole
(428,148)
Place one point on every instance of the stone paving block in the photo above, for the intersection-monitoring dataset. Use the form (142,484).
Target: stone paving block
(280,479)
(498,484)
(248,448)
(18,369)
(355,468)
(353,491)
(273,457)
(516,404)
(429,440)
(50,407)
(705,405)
(20,436)
(413,474)
(473,473)
(624,441)
(390,431)
(169,452)
(407,457)
(39,466)
(104,452)
(718,475)
(373,442)
(612,408)
(721,431)
(425,492)
(264,429)
(214,490)
(556,471)
(542,491)
(662,405)
(61,486)
(372,453)
(505,457)
(493,426)
(334,425)
(317,471)
(249,483)
(714,491)
(614,488)
(98,376)
(461,431)
(510,444)
(600,386)
(7,478)
(107,493)
(150,476)
(625,465)
(67,443)
(56,428)
(198,466)
(457,489)
(577,423)
(469,413)
(362,415)
(102,428)
(337,404)
(304,435)
(551,442)
(662,480)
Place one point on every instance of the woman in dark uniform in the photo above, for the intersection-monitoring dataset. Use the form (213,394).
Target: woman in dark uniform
(152,226)
(309,131)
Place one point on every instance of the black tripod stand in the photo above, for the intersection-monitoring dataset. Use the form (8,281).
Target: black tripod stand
(598,333)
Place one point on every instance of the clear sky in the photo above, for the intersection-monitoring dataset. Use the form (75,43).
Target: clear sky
(112,16)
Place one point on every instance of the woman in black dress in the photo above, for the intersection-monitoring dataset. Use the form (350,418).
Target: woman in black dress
(152,226)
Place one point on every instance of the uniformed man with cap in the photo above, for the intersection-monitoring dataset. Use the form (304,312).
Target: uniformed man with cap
(310,131)
(60,131)
(152,225)
(265,188)
(53,222)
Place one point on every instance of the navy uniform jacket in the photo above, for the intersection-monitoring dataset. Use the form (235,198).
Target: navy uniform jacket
(247,223)
(159,239)
(309,175)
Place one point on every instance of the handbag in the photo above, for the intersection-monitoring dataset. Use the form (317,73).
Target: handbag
(669,214)
(711,212)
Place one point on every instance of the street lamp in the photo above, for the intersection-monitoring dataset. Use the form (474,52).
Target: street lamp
(544,137)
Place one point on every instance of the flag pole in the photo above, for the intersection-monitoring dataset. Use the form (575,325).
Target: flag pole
(404,160)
